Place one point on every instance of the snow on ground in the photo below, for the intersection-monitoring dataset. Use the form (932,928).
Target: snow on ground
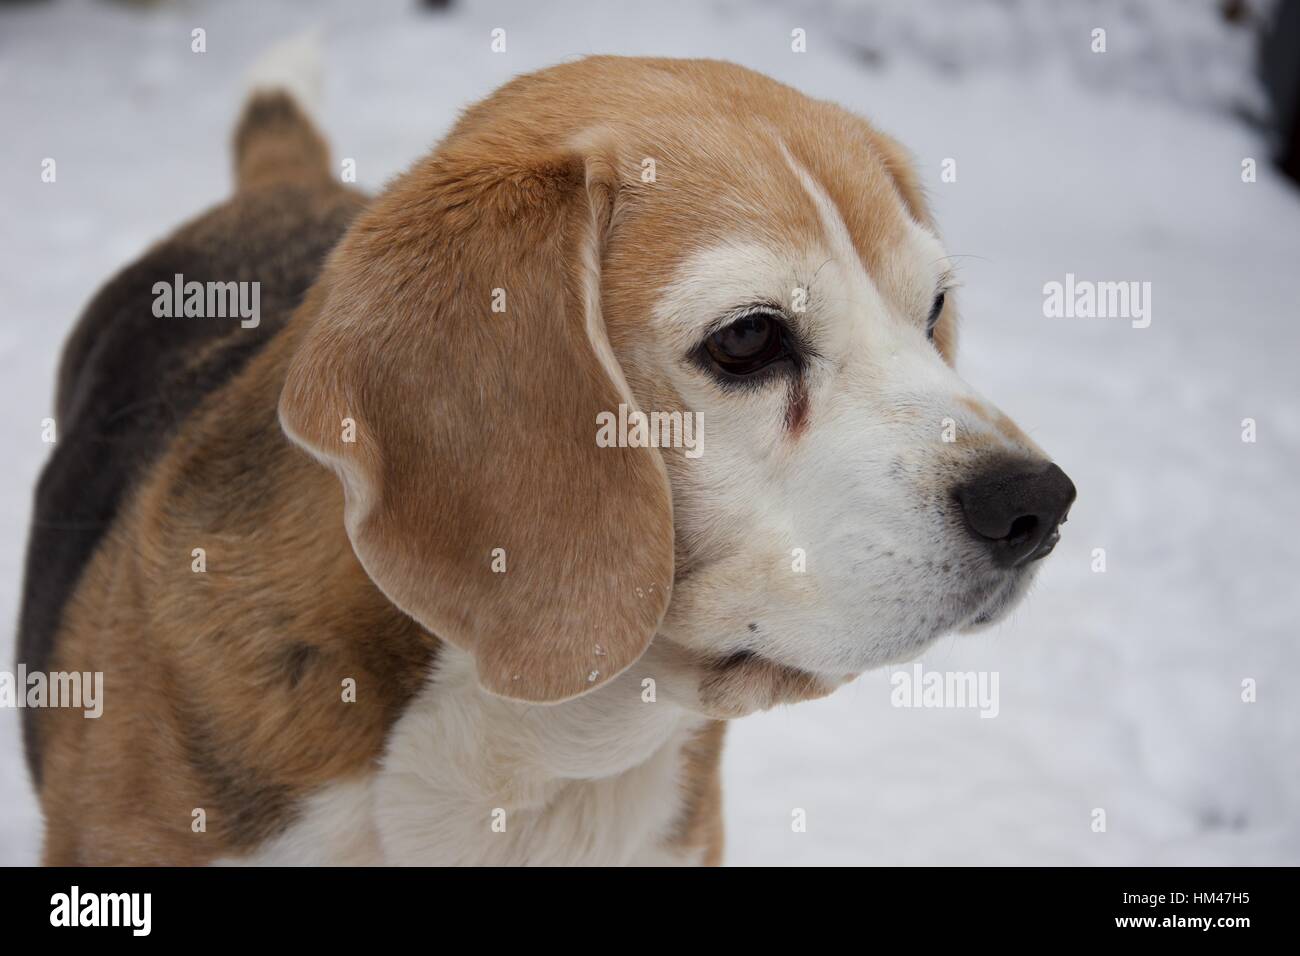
(1118,690)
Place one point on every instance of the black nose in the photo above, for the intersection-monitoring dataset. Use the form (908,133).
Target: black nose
(1015,507)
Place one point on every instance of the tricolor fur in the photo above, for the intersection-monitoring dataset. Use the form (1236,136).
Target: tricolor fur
(569,708)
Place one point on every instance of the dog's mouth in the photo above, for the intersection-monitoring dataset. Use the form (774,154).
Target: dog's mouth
(745,682)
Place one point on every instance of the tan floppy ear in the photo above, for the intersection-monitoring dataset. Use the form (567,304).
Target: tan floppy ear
(452,379)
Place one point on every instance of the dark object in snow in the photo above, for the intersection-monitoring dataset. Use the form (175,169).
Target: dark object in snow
(1280,71)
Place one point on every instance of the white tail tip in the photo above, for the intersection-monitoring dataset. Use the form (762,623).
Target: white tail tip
(293,66)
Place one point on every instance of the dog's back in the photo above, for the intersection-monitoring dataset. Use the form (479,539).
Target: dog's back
(129,377)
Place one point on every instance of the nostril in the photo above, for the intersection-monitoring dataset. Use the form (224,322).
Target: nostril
(1022,529)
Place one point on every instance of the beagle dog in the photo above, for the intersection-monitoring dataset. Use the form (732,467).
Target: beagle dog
(362,582)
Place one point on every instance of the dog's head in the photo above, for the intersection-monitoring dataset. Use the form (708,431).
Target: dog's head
(617,255)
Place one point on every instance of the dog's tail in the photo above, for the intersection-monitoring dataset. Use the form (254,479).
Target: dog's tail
(275,139)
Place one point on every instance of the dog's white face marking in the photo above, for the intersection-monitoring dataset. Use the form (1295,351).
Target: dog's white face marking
(820,530)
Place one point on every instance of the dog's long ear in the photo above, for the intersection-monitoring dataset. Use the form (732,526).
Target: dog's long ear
(452,379)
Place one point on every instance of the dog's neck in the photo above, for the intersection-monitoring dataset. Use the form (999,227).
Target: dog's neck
(468,778)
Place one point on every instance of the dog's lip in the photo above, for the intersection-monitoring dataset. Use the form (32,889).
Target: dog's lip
(763,682)
(1048,544)
(738,659)
(1044,549)
(997,601)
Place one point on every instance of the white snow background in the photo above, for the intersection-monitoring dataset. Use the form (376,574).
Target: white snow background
(1118,690)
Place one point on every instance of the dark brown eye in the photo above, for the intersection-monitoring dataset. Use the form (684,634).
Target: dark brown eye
(935,311)
(749,344)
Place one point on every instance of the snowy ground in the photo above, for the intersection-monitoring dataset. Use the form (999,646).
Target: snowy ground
(1118,690)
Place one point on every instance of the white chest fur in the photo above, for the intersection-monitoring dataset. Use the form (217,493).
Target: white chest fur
(471,779)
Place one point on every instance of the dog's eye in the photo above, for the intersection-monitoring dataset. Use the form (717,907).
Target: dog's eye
(935,311)
(749,344)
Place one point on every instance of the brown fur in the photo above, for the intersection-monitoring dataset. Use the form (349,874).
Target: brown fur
(699,827)
(523,222)
(274,145)
(225,691)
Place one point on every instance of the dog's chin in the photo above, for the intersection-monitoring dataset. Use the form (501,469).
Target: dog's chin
(745,682)
(999,603)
